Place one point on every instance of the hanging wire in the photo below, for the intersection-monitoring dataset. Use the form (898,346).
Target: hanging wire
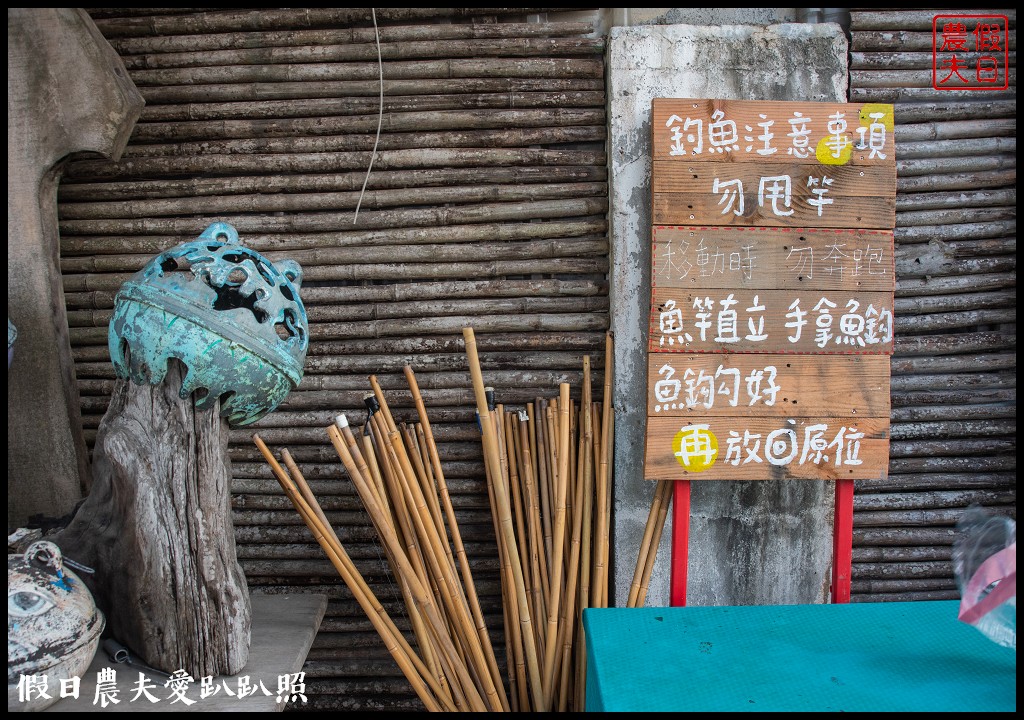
(380,117)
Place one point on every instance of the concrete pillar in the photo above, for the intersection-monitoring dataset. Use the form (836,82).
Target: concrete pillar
(67,91)
(750,542)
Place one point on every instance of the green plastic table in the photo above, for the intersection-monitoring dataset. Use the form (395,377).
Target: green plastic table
(900,656)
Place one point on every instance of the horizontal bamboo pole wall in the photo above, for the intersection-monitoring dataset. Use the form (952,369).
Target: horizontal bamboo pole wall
(121,25)
(160,46)
(485,207)
(900,40)
(335,107)
(326,51)
(899,60)
(307,90)
(954,369)
(912,20)
(437,160)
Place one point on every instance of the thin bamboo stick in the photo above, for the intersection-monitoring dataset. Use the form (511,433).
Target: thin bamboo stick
(514,642)
(419,591)
(518,505)
(441,572)
(402,522)
(460,550)
(603,489)
(574,436)
(375,476)
(384,480)
(662,495)
(655,541)
(379,497)
(405,514)
(539,427)
(567,626)
(417,454)
(439,558)
(394,641)
(421,445)
(587,539)
(456,602)
(307,495)
(538,567)
(558,548)
(607,455)
(360,460)
(433,580)
(505,515)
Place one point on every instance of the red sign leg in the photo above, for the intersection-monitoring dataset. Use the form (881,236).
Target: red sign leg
(842,544)
(680,543)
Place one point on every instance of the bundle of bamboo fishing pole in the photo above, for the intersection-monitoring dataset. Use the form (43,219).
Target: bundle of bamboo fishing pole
(548,471)
(549,487)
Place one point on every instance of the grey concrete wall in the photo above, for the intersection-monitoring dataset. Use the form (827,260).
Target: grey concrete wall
(750,542)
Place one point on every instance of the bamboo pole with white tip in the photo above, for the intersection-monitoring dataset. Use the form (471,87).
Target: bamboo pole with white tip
(415,616)
(461,680)
(437,554)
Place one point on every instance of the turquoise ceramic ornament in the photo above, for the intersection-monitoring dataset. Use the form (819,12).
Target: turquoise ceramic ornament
(231,316)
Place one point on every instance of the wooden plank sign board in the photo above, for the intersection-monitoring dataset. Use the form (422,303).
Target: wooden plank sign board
(782,258)
(783,320)
(697,387)
(772,285)
(744,195)
(741,163)
(770,448)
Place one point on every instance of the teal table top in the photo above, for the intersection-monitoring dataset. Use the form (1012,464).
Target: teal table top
(897,657)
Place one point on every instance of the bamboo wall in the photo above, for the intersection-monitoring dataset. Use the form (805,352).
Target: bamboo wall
(954,368)
(485,208)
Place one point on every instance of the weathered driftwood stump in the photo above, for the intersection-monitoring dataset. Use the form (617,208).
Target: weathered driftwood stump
(157,528)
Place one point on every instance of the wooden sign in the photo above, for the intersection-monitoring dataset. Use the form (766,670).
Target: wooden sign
(747,448)
(772,284)
(809,133)
(746,196)
(735,163)
(777,258)
(784,321)
(698,387)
